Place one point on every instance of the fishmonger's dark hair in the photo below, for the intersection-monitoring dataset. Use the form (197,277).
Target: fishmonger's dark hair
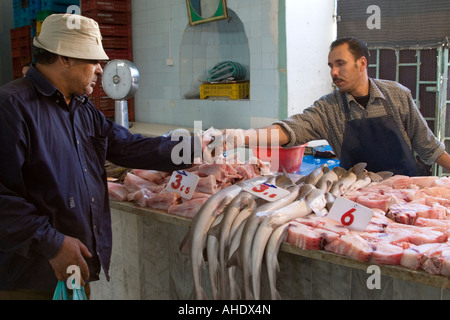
(357,47)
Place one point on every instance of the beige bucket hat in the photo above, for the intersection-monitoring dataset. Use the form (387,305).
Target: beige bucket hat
(71,35)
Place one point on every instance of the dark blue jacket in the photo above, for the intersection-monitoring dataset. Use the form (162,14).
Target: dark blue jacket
(53,179)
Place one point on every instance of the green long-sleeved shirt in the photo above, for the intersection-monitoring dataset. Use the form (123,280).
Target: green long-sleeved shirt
(325,119)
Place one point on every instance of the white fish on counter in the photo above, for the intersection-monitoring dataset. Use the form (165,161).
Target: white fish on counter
(277,237)
(271,220)
(212,247)
(243,254)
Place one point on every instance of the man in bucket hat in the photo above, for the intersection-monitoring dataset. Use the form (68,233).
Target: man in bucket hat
(54,206)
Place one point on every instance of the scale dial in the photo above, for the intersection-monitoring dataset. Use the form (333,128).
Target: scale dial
(120,79)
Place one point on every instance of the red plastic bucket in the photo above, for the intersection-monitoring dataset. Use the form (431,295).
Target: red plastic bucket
(291,159)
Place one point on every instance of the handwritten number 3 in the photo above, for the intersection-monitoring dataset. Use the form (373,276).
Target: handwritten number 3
(262,187)
(177,183)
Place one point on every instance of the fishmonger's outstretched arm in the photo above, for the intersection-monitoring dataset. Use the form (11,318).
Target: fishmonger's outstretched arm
(269,136)
(444,161)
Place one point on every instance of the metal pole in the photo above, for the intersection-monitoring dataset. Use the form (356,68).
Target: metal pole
(121,113)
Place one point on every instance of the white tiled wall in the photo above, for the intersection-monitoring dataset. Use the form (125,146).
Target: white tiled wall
(161,31)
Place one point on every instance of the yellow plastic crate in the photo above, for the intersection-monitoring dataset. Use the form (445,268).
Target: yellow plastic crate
(38,27)
(234,91)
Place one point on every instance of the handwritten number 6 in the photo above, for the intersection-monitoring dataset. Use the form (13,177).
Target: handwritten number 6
(347,218)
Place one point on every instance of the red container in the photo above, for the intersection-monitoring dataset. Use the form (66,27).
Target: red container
(106,5)
(289,159)
(108,17)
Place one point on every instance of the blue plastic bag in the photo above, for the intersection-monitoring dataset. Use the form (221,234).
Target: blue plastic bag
(61,293)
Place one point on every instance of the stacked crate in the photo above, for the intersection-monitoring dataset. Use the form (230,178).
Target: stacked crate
(20,49)
(28,15)
(114,19)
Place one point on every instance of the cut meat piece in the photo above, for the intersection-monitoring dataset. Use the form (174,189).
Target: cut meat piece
(331,225)
(376,201)
(397,182)
(403,213)
(307,237)
(412,257)
(386,254)
(374,227)
(303,236)
(423,181)
(187,208)
(379,217)
(441,192)
(418,235)
(351,245)
(407,213)
(433,201)
(221,172)
(134,183)
(163,200)
(434,259)
(442,182)
(155,176)
(246,171)
(323,223)
(440,225)
(445,263)
(117,191)
(197,194)
(207,185)
(140,197)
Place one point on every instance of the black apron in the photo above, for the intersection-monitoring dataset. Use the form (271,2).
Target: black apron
(379,143)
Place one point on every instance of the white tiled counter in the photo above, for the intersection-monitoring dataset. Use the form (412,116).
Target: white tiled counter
(147,264)
(153,129)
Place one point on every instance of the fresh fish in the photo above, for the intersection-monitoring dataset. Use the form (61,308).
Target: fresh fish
(296,209)
(241,218)
(235,291)
(374,177)
(358,168)
(339,171)
(262,234)
(283,180)
(200,227)
(316,201)
(195,240)
(212,248)
(271,258)
(327,180)
(362,181)
(251,225)
(304,190)
(385,174)
(340,187)
(330,200)
(270,222)
(240,202)
(314,176)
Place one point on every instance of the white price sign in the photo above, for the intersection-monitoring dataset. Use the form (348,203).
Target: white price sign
(267,191)
(350,214)
(184,183)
